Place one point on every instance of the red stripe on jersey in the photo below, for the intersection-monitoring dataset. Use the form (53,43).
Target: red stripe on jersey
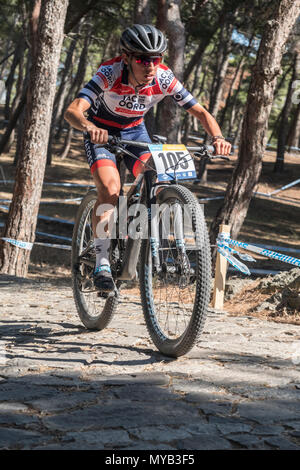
(164,67)
(112,61)
(153,90)
(103,78)
(172,85)
(129,111)
(116,124)
(100,163)
(120,89)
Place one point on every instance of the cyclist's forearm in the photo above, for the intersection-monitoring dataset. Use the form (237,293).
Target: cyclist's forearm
(77,120)
(206,119)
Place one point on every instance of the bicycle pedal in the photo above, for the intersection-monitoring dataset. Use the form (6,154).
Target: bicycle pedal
(105,294)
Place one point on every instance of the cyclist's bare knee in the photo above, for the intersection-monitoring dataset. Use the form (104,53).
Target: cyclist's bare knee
(107,181)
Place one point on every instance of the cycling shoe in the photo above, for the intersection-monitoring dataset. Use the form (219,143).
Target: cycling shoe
(103,280)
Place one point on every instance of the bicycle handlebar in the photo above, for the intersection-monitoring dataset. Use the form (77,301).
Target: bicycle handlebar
(206,151)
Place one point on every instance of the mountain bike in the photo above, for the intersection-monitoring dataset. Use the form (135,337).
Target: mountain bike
(165,246)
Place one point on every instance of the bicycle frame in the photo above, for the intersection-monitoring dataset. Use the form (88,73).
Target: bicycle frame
(148,192)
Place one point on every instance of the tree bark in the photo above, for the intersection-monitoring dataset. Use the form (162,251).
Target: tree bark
(238,71)
(294,134)
(197,57)
(67,143)
(11,77)
(24,207)
(234,103)
(12,122)
(221,66)
(259,102)
(60,96)
(142,15)
(170,114)
(76,84)
(284,122)
(142,12)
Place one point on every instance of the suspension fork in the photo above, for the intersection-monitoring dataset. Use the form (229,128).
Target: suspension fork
(153,218)
(178,227)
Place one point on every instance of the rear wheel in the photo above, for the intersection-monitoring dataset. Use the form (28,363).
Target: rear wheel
(94,311)
(175,296)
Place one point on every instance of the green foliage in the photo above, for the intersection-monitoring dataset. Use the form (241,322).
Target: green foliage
(104,20)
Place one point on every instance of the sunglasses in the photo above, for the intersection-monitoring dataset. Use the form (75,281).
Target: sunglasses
(146,61)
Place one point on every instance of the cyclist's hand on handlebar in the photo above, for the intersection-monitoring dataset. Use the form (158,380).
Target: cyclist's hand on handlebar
(97,135)
(222,147)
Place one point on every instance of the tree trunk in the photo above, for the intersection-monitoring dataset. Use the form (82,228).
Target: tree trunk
(12,122)
(259,102)
(73,20)
(170,114)
(74,89)
(142,15)
(67,143)
(221,66)
(20,85)
(142,12)
(11,77)
(197,57)
(24,207)
(238,71)
(284,123)
(60,96)
(294,134)
(234,104)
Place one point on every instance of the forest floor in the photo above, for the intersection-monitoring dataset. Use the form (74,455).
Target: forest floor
(271,221)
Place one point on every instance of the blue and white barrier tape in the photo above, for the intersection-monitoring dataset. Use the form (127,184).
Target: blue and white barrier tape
(29,245)
(235,263)
(54,201)
(18,243)
(68,185)
(225,239)
(243,256)
(285,187)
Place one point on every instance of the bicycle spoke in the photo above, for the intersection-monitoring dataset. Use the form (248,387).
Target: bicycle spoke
(173,300)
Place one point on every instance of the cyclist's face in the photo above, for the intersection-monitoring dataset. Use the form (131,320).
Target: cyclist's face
(144,67)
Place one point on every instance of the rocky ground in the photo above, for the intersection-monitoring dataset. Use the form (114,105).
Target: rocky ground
(63,387)
(276,296)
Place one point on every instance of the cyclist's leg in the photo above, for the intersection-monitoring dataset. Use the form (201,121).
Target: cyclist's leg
(107,181)
(138,133)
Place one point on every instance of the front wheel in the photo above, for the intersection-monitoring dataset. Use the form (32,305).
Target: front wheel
(94,311)
(175,293)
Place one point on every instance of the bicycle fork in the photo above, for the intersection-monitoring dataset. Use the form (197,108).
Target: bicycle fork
(155,216)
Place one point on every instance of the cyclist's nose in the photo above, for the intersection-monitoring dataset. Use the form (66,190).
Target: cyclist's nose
(151,67)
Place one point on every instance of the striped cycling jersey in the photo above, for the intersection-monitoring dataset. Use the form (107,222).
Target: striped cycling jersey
(114,102)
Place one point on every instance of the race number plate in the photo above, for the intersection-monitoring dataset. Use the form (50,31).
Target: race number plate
(172,162)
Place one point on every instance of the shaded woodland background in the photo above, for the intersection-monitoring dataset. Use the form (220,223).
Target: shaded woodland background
(213,49)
